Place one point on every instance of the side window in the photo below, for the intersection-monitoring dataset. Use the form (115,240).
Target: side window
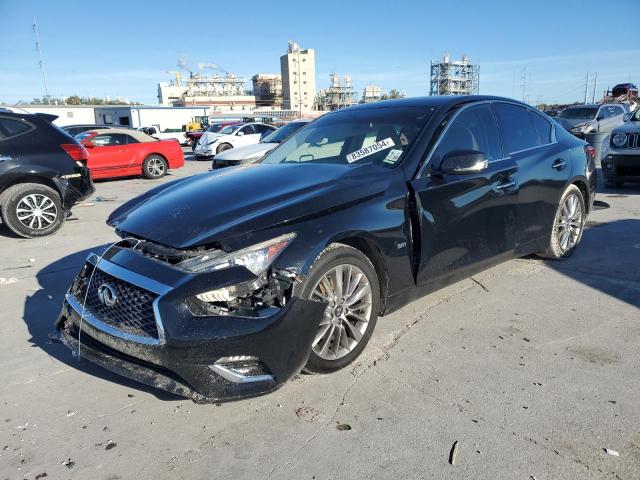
(518,132)
(542,126)
(11,127)
(131,139)
(247,130)
(473,129)
(111,140)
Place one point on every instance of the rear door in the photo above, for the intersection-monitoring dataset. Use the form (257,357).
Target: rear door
(467,221)
(543,170)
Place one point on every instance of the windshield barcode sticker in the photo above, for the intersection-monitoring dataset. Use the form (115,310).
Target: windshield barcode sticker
(370,150)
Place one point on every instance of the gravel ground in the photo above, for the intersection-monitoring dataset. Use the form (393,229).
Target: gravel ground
(530,369)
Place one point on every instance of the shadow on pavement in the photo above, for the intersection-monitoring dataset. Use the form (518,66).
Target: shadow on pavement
(607,259)
(42,308)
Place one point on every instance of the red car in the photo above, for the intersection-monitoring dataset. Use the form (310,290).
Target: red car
(121,153)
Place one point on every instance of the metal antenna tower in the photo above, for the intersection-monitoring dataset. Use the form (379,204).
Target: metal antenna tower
(41,61)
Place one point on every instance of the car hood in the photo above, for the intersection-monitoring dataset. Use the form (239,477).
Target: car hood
(208,137)
(569,123)
(248,151)
(210,207)
(627,127)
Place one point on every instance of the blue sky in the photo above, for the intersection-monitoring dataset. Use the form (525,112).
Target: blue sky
(120,48)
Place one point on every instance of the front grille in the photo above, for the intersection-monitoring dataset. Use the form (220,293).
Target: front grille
(628,171)
(633,140)
(133,311)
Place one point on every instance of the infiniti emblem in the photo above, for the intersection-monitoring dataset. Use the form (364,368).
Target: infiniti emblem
(107,295)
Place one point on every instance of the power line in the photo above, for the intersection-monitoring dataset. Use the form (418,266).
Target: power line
(41,61)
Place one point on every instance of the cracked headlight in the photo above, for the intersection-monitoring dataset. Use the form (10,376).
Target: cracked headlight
(256,258)
(619,139)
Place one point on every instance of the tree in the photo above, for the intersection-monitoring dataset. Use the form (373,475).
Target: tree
(73,100)
(393,93)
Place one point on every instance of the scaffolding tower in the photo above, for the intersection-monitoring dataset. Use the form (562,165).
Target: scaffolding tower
(454,77)
(340,94)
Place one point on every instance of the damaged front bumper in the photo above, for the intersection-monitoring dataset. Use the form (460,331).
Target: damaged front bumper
(153,337)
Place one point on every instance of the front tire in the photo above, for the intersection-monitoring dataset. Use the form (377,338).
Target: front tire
(345,279)
(154,167)
(568,225)
(31,210)
(221,148)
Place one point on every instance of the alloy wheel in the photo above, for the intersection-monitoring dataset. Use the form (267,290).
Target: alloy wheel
(36,211)
(155,166)
(347,291)
(570,222)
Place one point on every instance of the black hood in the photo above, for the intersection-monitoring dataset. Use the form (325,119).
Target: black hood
(207,208)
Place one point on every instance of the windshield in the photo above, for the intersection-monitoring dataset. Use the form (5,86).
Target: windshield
(229,130)
(381,136)
(636,116)
(216,127)
(277,136)
(586,113)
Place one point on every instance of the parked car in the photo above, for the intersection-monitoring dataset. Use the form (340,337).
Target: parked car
(43,174)
(122,153)
(583,119)
(230,137)
(226,284)
(253,153)
(74,130)
(193,136)
(168,134)
(621,152)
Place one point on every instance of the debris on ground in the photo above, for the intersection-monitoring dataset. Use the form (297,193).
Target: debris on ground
(69,463)
(311,415)
(110,445)
(343,427)
(8,281)
(41,475)
(612,452)
(453,453)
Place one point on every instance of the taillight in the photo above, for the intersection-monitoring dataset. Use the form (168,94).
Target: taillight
(591,152)
(75,151)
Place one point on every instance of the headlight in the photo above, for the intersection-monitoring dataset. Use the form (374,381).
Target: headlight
(256,258)
(619,139)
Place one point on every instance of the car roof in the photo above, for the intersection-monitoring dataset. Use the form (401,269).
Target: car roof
(138,135)
(433,101)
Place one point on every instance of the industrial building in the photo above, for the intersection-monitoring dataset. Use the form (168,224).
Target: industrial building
(371,93)
(219,92)
(267,89)
(298,70)
(454,77)
(340,94)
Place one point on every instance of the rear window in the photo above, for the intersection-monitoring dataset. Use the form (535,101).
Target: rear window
(11,127)
(517,127)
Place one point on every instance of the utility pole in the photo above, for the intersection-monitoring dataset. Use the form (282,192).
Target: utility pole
(586,87)
(595,85)
(41,61)
(524,83)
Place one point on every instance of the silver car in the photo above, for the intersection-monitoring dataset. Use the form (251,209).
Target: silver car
(253,153)
(593,118)
(621,152)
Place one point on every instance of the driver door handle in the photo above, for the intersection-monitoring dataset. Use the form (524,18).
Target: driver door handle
(559,164)
(506,184)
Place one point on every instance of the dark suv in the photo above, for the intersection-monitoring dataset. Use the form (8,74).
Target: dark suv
(43,173)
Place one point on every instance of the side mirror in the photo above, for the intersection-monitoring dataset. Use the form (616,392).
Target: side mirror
(626,117)
(461,162)
(239,134)
(599,117)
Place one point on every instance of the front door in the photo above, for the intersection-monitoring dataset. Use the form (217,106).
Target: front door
(108,154)
(248,137)
(467,220)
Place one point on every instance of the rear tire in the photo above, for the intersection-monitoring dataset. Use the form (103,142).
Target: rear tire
(31,210)
(345,279)
(221,148)
(154,167)
(568,225)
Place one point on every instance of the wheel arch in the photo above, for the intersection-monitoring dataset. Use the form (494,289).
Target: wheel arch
(362,242)
(30,178)
(581,183)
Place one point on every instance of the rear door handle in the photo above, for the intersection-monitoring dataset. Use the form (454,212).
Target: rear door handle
(559,164)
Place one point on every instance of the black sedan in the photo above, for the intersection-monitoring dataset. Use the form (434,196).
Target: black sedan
(226,284)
